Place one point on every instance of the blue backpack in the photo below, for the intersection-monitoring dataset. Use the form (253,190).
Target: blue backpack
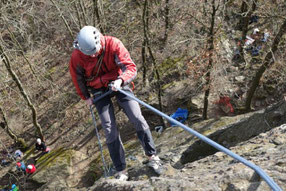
(180,115)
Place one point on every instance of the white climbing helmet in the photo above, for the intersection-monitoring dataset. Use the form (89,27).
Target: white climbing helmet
(39,141)
(88,40)
(256,30)
(29,167)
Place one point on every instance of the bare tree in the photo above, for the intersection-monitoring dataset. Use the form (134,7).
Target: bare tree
(146,42)
(78,14)
(96,15)
(210,43)
(145,20)
(6,127)
(167,22)
(83,11)
(15,78)
(63,18)
(267,62)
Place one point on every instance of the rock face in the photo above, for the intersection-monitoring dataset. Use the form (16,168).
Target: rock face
(249,126)
(189,163)
(218,171)
(221,172)
(255,137)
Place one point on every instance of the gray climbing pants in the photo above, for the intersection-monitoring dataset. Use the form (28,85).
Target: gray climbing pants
(132,110)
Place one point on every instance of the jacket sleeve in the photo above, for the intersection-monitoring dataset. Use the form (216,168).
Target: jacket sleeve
(125,63)
(77,75)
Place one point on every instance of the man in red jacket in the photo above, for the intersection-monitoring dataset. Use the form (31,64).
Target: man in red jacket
(96,62)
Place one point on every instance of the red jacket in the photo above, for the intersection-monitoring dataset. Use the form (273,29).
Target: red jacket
(31,171)
(116,64)
(226,102)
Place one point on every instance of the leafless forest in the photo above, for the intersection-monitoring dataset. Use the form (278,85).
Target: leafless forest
(194,43)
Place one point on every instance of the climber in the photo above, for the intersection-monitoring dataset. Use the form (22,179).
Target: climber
(21,166)
(5,158)
(224,104)
(14,188)
(18,154)
(265,36)
(30,169)
(97,62)
(41,146)
(253,19)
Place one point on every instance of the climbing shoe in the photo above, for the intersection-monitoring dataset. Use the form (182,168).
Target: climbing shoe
(155,164)
(122,175)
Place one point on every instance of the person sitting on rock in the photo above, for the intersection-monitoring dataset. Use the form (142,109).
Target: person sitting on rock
(224,104)
(14,188)
(41,146)
(30,169)
(18,154)
(21,166)
(5,162)
(253,19)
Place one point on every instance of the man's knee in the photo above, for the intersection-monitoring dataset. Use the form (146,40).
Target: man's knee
(140,123)
(111,136)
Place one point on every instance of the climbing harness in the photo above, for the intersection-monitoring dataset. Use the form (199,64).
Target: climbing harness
(96,130)
(257,169)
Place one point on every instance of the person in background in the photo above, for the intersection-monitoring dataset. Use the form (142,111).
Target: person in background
(96,62)
(30,169)
(21,166)
(265,36)
(224,105)
(41,146)
(5,188)
(14,187)
(5,162)
(253,19)
(18,155)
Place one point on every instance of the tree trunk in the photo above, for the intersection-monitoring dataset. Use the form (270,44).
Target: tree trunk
(144,43)
(15,78)
(210,61)
(6,127)
(244,22)
(268,61)
(78,15)
(147,41)
(25,58)
(83,11)
(96,13)
(63,18)
(166,14)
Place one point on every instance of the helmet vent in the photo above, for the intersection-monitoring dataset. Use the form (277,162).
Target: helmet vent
(88,40)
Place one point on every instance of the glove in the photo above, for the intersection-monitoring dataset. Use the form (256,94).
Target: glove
(116,84)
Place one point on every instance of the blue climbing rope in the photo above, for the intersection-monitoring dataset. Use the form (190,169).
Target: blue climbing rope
(257,169)
(98,138)
(96,130)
